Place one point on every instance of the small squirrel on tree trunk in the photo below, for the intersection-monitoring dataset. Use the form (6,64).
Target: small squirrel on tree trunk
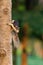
(15,30)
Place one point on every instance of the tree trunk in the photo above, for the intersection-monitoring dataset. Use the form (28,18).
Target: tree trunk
(24,54)
(5,33)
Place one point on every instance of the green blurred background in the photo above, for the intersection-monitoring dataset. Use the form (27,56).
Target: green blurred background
(30,11)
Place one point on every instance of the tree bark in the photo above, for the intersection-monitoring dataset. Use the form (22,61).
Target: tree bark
(5,33)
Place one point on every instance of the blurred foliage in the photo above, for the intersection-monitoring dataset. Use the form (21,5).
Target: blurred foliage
(33,17)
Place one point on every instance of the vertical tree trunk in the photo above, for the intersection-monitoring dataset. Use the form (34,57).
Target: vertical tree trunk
(5,33)
(24,54)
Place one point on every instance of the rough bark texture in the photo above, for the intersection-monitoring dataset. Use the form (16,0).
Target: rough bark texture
(5,33)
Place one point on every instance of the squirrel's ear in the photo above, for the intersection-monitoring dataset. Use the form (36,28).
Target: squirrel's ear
(13,21)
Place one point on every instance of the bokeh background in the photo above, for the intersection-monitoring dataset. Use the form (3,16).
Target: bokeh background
(31,12)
